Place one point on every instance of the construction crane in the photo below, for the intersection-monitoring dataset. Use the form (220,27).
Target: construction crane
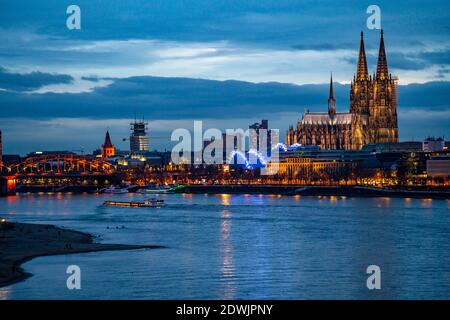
(151,138)
(81,150)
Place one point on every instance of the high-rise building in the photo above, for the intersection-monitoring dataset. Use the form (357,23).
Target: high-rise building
(433,144)
(255,139)
(373,111)
(139,140)
(108,149)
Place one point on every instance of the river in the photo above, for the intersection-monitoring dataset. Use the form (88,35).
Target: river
(242,247)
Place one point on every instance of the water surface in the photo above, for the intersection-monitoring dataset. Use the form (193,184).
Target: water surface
(243,247)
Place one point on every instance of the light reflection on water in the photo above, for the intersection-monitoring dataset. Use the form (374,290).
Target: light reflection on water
(243,247)
(226,248)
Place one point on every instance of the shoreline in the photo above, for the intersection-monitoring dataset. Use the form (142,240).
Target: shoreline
(22,242)
(324,191)
(286,190)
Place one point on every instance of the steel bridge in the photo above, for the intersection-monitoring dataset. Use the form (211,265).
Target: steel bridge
(61,170)
(60,164)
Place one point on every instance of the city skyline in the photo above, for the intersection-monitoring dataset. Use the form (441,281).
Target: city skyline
(85,81)
(224,156)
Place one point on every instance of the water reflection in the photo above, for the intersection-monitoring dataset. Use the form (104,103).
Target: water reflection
(383,202)
(225,199)
(246,247)
(426,203)
(226,246)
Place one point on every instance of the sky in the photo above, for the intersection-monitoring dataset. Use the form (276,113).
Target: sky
(228,63)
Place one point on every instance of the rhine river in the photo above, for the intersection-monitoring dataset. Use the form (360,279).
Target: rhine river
(242,247)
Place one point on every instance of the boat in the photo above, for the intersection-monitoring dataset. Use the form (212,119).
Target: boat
(115,190)
(154,189)
(148,203)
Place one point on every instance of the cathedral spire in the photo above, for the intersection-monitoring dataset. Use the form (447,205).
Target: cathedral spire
(382,67)
(362,72)
(331,95)
(331,99)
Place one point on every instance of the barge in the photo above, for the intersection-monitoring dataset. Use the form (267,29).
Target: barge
(149,203)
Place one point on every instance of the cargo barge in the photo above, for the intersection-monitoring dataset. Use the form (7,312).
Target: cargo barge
(149,203)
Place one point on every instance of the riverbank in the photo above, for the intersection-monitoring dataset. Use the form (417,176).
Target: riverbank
(20,242)
(348,191)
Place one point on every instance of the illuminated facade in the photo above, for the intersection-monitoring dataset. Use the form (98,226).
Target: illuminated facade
(306,170)
(372,117)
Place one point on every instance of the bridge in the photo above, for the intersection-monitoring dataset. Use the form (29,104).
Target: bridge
(60,164)
(59,170)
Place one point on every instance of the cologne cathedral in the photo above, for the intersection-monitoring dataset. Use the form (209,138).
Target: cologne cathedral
(372,117)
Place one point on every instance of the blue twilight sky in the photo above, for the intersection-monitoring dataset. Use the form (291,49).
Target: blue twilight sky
(229,63)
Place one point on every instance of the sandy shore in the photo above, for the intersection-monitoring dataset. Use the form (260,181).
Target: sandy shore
(20,242)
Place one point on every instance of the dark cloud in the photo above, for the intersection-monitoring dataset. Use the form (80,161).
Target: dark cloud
(401,61)
(184,98)
(91,78)
(323,46)
(436,57)
(410,61)
(261,21)
(432,95)
(442,73)
(30,81)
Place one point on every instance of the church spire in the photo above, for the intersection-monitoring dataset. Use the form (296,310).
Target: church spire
(331,99)
(108,143)
(108,149)
(382,67)
(362,72)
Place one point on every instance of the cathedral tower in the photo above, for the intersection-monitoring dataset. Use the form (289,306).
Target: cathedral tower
(360,93)
(383,126)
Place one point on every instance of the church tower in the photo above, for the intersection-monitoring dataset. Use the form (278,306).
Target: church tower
(108,149)
(383,127)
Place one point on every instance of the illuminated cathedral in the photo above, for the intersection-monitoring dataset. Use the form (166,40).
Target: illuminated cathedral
(373,111)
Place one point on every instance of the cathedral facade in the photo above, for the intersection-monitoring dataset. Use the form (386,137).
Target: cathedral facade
(373,111)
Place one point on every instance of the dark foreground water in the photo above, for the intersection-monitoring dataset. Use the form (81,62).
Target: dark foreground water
(243,247)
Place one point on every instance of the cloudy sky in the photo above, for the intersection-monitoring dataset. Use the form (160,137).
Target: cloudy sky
(228,63)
